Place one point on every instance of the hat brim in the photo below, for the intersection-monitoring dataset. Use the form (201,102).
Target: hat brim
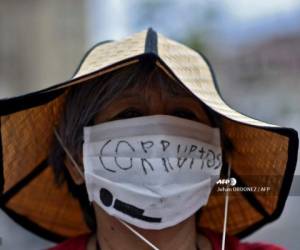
(30,197)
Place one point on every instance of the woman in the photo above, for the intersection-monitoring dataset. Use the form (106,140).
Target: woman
(141,136)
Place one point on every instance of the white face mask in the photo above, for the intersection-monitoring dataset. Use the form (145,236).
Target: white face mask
(152,171)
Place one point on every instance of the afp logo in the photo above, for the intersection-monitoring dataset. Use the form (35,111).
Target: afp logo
(231,181)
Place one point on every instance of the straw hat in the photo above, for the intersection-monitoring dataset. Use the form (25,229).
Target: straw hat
(29,196)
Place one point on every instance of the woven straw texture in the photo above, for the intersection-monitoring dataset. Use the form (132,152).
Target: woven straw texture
(26,136)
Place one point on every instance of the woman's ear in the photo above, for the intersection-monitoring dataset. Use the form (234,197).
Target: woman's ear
(76,176)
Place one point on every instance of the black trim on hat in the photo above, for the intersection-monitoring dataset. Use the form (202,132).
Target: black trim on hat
(286,182)
(249,196)
(151,42)
(20,219)
(291,166)
(15,104)
(32,226)
(4,198)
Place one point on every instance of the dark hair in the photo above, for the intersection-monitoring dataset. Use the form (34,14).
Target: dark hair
(83,102)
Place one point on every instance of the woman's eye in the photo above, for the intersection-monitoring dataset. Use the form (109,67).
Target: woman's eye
(128,113)
(183,113)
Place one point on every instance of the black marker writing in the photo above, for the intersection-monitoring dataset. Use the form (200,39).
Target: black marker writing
(122,167)
(127,155)
(165,164)
(211,158)
(146,145)
(165,144)
(193,148)
(123,142)
(192,162)
(201,151)
(144,163)
(180,162)
(219,158)
(107,199)
(100,157)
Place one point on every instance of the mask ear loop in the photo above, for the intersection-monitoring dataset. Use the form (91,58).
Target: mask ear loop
(68,153)
(139,235)
(82,175)
(226,206)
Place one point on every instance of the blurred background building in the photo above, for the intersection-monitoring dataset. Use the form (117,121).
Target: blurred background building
(254,47)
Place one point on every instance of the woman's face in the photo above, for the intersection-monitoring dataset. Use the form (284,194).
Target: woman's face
(159,95)
(152,100)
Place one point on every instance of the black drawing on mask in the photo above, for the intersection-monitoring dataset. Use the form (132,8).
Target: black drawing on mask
(146,145)
(208,158)
(107,199)
(146,163)
(100,158)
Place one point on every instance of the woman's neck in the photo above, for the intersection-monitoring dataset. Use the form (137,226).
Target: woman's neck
(112,234)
